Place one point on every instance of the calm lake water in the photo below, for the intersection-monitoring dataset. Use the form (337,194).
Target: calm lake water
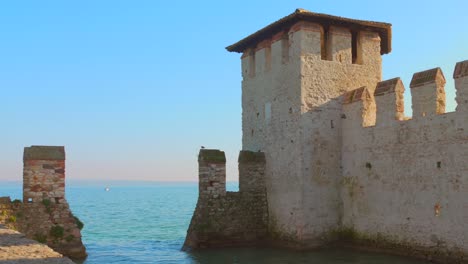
(147,222)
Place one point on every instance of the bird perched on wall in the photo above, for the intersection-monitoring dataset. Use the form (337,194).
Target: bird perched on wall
(202,147)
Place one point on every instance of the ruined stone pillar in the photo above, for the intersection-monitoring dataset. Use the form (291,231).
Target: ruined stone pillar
(212,173)
(44,174)
(45,213)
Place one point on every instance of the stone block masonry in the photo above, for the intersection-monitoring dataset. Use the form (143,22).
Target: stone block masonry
(44,174)
(44,214)
(229,218)
(404,181)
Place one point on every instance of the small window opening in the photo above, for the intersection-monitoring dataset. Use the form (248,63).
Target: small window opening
(252,63)
(325,45)
(331,124)
(57,200)
(30,200)
(258,114)
(285,49)
(290,110)
(439,164)
(252,132)
(212,183)
(356,47)
(268,58)
(437,208)
(368,165)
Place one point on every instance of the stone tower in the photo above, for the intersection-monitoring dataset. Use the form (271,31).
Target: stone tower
(295,72)
(45,213)
(44,174)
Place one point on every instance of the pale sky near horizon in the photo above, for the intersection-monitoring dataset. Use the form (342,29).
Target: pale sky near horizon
(132,89)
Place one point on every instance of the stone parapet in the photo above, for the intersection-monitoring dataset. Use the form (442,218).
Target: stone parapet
(221,218)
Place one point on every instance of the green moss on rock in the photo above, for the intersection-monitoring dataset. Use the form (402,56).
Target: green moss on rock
(212,155)
(56,231)
(44,153)
(250,156)
(41,238)
(78,223)
(346,234)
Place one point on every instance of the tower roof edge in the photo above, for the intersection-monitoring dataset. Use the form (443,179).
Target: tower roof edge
(384,29)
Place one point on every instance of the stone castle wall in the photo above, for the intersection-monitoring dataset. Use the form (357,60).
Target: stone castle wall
(405,182)
(291,111)
(229,218)
(44,213)
(342,162)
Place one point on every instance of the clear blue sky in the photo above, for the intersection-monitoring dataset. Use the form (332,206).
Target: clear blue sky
(134,88)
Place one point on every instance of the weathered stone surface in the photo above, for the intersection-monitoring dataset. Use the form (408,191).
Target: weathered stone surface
(428,93)
(389,101)
(229,218)
(249,156)
(404,185)
(426,77)
(15,248)
(461,85)
(388,86)
(43,178)
(5,200)
(44,214)
(461,70)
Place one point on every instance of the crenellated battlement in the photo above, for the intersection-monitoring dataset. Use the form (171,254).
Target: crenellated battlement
(212,173)
(427,92)
(316,42)
(317,36)
(405,178)
(229,218)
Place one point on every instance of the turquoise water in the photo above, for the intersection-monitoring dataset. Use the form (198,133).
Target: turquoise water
(147,223)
